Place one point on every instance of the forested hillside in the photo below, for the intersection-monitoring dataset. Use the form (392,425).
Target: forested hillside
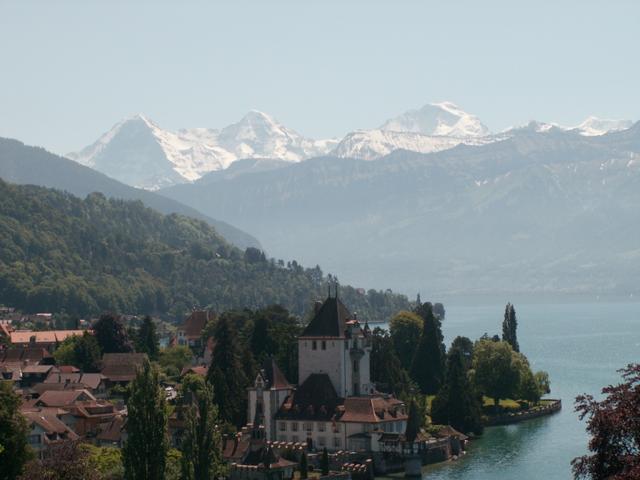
(61,253)
(26,165)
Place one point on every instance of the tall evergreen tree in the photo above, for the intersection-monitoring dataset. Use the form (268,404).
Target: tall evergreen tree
(304,466)
(510,327)
(201,447)
(227,374)
(386,369)
(15,451)
(112,335)
(147,339)
(324,462)
(457,403)
(428,365)
(145,451)
(413,422)
(465,346)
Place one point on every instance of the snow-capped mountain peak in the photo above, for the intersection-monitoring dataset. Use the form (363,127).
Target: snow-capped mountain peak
(138,152)
(593,126)
(438,119)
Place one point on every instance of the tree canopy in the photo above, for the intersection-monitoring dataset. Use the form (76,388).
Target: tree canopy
(88,256)
(614,426)
(145,450)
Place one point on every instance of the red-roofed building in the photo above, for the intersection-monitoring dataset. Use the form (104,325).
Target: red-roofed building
(190,332)
(46,428)
(335,406)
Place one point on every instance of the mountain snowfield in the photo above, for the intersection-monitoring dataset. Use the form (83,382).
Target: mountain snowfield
(138,152)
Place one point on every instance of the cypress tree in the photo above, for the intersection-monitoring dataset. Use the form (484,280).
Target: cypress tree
(15,451)
(304,466)
(509,327)
(457,403)
(428,365)
(324,462)
(201,448)
(144,453)
(227,375)
(413,422)
(147,339)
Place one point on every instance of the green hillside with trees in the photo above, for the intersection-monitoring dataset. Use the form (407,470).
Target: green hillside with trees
(60,253)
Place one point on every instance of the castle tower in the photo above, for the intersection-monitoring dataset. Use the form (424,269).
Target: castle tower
(335,344)
(269,390)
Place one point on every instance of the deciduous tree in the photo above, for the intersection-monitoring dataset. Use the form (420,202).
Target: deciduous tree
(613,423)
(112,335)
(405,328)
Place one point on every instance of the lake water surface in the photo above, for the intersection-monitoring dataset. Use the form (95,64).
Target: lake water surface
(581,346)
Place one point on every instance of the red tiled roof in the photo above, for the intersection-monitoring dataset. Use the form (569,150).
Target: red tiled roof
(90,380)
(121,367)
(198,370)
(371,410)
(49,336)
(49,422)
(195,323)
(63,398)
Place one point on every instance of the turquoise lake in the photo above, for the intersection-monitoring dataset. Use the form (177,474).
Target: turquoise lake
(581,346)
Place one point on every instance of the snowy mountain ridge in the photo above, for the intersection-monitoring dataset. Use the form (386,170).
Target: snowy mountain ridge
(140,153)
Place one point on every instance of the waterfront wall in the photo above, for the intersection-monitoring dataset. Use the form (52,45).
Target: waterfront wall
(516,417)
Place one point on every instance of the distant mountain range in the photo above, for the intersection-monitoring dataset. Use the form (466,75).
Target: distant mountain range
(539,209)
(22,164)
(138,152)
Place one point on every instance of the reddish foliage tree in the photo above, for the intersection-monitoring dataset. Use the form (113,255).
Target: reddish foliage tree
(614,426)
(63,461)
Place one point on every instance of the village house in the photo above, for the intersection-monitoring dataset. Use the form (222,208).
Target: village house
(48,339)
(190,332)
(46,428)
(96,383)
(121,368)
(335,406)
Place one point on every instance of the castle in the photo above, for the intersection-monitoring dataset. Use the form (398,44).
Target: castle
(335,406)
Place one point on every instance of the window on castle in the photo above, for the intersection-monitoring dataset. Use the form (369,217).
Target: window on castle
(314,345)
(356,365)
(324,345)
(308,426)
(294,427)
(321,426)
(283,426)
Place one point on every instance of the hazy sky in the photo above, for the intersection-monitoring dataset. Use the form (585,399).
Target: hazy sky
(70,69)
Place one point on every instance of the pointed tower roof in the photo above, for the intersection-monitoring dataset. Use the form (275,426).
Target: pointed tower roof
(273,375)
(329,320)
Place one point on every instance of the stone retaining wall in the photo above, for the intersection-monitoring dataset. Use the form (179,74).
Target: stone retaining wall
(535,412)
